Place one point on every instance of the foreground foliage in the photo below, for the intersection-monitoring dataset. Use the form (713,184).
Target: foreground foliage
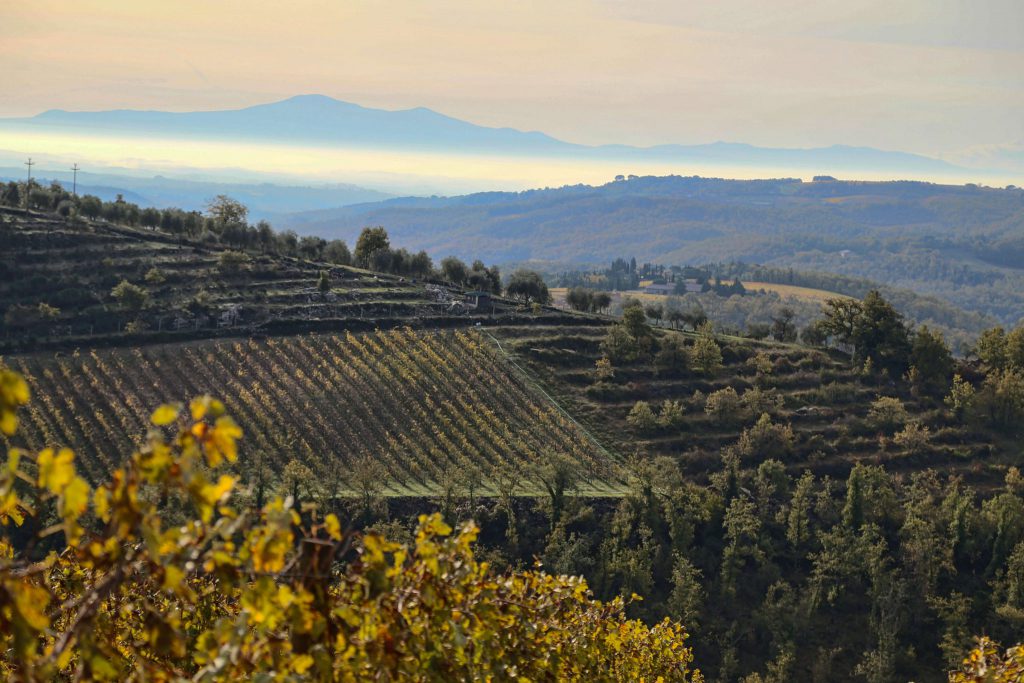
(159,578)
(985,664)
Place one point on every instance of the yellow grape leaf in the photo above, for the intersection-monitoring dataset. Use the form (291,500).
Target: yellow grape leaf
(13,388)
(13,460)
(101,503)
(211,494)
(13,393)
(31,602)
(56,470)
(333,526)
(10,509)
(75,499)
(198,408)
(8,422)
(301,664)
(223,487)
(165,415)
(222,441)
(173,577)
(206,405)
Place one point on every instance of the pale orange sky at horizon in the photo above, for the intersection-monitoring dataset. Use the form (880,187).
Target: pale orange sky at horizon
(930,76)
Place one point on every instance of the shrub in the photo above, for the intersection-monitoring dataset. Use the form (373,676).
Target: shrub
(914,438)
(724,406)
(232,261)
(603,370)
(766,439)
(619,346)
(960,397)
(155,276)
(706,354)
(833,393)
(887,413)
(671,415)
(642,418)
(20,315)
(761,364)
(47,312)
(757,401)
(1000,400)
(672,357)
(136,326)
(132,297)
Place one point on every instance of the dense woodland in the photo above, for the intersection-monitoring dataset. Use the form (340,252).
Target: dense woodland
(836,498)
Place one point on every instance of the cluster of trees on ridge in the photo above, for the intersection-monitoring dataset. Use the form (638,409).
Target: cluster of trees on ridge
(627,275)
(225,223)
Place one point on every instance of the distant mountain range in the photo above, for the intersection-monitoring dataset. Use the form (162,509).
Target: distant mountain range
(320,120)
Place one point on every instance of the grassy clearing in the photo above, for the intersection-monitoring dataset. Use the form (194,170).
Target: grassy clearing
(802,293)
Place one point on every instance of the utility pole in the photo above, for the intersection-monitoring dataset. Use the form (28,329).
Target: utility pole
(28,183)
(74,183)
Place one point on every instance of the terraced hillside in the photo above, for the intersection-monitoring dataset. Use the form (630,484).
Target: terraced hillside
(819,394)
(57,279)
(427,406)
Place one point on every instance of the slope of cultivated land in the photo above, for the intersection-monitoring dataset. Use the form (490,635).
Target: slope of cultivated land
(427,405)
(73,266)
(825,400)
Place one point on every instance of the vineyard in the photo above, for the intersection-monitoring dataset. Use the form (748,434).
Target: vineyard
(425,406)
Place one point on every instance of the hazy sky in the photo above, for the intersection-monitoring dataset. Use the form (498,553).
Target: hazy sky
(929,76)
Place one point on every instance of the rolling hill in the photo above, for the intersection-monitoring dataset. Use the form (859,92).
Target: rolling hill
(191,292)
(962,244)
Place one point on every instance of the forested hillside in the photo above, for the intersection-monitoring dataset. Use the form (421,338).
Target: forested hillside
(961,243)
(822,411)
(808,517)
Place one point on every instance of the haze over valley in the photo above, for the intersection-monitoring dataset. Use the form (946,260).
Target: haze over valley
(313,139)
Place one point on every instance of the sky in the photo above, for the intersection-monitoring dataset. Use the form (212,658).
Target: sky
(943,78)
